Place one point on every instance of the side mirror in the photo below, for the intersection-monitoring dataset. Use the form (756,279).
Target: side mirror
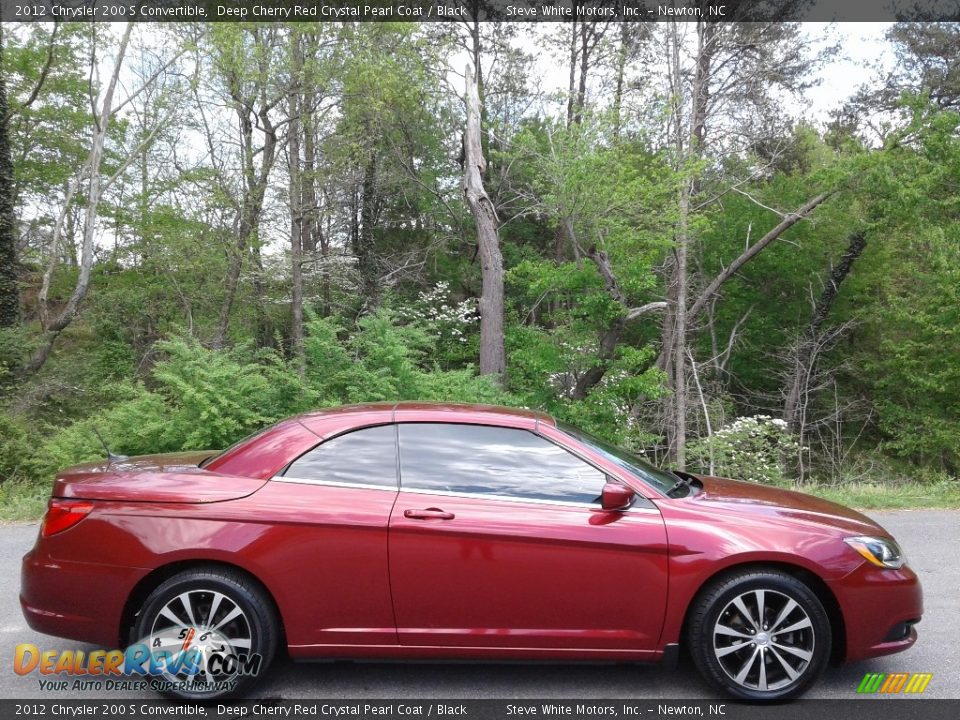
(616,496)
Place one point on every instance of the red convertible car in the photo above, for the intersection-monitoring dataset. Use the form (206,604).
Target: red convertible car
(422,531)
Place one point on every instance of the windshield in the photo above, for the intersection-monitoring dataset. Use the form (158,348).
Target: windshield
(662,480)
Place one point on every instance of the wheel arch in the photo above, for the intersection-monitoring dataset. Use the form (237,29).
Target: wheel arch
(152,580)
(813,581)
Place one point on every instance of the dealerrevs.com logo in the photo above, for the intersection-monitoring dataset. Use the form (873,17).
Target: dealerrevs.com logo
(186,659)
(891,683)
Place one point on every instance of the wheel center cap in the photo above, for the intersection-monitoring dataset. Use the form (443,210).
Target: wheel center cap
(762,639)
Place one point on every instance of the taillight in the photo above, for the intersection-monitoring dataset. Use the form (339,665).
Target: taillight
(63,514)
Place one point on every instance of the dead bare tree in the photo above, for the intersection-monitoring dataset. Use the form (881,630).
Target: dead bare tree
(96,186)
(493,359)
(253,101)
(731,67)
(806,377)
(809,345)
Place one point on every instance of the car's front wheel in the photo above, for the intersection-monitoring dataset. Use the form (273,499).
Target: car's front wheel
(760,635)
(205,634)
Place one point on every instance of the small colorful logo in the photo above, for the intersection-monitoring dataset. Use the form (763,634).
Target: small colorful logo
(891,683)
(188,659)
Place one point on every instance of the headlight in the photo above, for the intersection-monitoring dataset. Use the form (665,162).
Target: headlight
(881,552)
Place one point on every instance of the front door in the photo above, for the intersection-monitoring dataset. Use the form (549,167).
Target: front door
(497,540)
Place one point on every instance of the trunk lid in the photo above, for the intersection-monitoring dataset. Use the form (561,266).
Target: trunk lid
(167,478)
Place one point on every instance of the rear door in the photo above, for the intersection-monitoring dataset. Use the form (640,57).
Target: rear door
(334,544)
(498,540)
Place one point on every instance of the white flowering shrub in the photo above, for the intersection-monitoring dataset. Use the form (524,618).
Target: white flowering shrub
(449,324)
(758,448)
(574,359)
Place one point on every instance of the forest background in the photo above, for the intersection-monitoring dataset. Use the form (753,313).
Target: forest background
(206,228)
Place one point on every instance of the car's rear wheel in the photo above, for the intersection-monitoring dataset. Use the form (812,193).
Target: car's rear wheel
(206,634)
(760,635)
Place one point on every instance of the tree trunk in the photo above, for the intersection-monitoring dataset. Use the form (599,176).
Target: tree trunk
(322,236)
(674,348)
(560,237)
(492,354)
(297,225)
(476,53)
(678,441)
(585,48)
(52,253)
(264,333)
(689,130)
(100,127)
(706,35)
(622,52)
(365,248)
(231,282)
(689,145)
(311,221)
(9,280)
(248,223)
(572,82)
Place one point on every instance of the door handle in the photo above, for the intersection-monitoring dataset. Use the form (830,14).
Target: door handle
(428,514)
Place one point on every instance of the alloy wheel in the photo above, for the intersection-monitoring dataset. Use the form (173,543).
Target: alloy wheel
(192,629)
(764,640)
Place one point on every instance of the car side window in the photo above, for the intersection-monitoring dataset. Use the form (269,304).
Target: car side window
(363,457)
(485,460)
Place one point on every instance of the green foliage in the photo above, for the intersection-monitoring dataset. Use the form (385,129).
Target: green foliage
(908,297)
(218,397)
(50,135)
(881,495)
(198,398)
(613,196)
(16,448)
(917,374)
(544,368)
(23,500)
(776,289)
(12,354)
(139,424)
(384,360)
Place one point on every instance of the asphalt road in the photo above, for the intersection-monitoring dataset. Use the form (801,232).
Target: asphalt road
(931,540)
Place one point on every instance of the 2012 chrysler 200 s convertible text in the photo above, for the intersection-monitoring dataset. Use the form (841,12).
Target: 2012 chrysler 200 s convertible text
(456,531)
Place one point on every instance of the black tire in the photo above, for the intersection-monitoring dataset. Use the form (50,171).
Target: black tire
(724,639)
(229,612)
